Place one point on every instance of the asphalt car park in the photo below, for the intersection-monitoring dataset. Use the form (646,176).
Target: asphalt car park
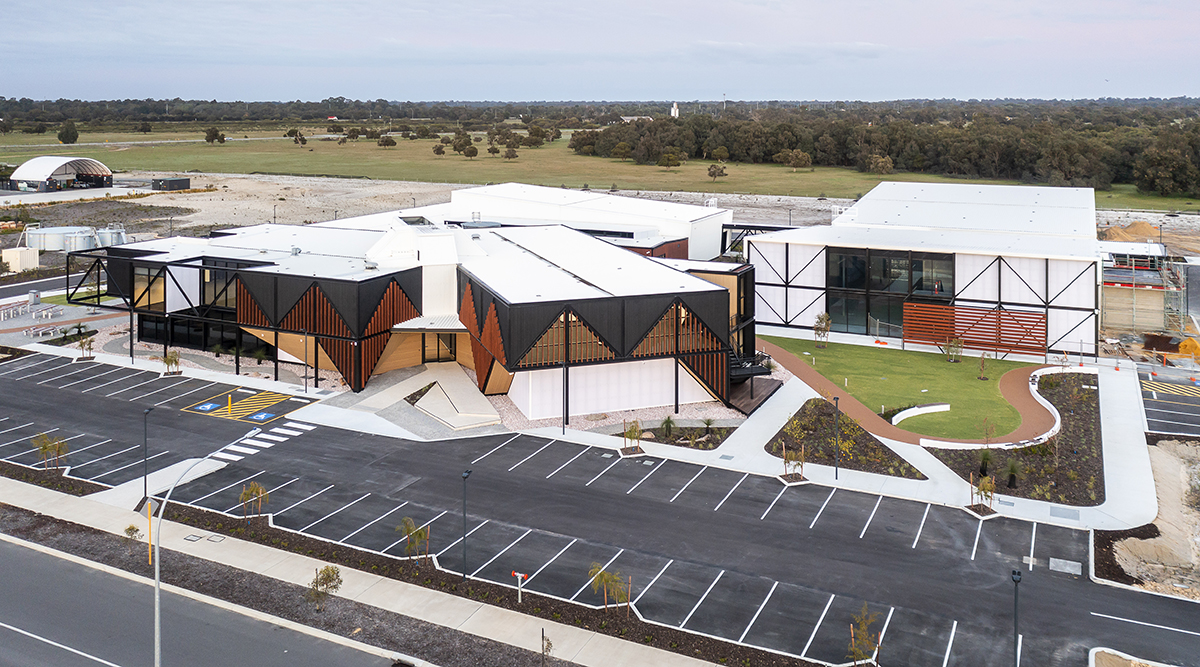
(682,589)
(715,551)
(1171,399)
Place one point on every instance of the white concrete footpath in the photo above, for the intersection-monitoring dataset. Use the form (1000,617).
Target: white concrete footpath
(573,644)
(1129,496)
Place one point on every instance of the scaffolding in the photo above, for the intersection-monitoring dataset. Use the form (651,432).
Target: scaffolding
(1144,293)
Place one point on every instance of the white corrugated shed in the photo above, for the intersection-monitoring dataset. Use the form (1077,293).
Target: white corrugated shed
(59,167)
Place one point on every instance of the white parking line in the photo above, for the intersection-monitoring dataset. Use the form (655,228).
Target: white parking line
(226,488)
(532,455)
(1032,541)
(1148,625)
(547,563)
(16,427)
(615,462)
(46,370)
(689,483)
(818,516)
(122,391)
(268,436)
(879,639)
(402,539)
(227,457)
(11,442)
(186,393)
(660,573)
(652,471)
(23,367)
(305,500)
(111,382)
(183,381)
(128,465)
(514,543)
(950,644)
(269,491)
(818,627)
(284,431)
(59,377)
(373,522)
(759,611)
(28,451)
(702,597)
(90,377)
(585,449)
(456,541)
(977,532)
(735,486)
(593,577)
(496,449)
(764,514)
(303,427)
(870,518)
(240,450)
(922,526)
(334,512)
(55,644)
(256,443)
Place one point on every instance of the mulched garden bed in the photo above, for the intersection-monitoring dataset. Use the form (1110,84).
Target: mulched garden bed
(34,274)
(813,426)
(1078,479)
(418,394)
(1105,558)
(71,339)
(49,478)
(692,437)
(370,625)
(613,622)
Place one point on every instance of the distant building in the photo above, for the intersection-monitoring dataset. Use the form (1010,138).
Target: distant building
(55,172)
(630,119)
(675,110)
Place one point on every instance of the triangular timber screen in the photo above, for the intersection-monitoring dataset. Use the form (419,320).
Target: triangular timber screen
(394,307)
(248,311)
(580,346)
(678,331)
(467,314)
(315,315)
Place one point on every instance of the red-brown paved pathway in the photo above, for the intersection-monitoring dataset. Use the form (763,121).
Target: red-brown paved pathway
(1014,387)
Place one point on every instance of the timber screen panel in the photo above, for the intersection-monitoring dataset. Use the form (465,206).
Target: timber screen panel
(990,329)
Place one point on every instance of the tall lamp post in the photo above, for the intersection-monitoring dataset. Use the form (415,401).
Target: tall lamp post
(1016,577)
(837,438)
(145,459)
(465,475)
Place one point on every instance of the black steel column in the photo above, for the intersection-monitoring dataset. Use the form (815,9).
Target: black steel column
(316,362)
(237,352)
(566,372)
(277,356)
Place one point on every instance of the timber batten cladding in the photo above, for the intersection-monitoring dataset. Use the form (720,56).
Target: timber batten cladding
(990,329)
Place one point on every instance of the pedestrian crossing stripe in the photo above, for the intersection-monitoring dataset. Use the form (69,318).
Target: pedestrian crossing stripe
(252,409)
(1171,388)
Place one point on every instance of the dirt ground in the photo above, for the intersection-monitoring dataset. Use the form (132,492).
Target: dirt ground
(1170,563)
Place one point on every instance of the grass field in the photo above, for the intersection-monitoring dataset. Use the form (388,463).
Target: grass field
(553,164)
(895,378)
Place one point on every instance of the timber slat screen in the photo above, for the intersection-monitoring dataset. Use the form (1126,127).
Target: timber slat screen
(979,328)
(678,324)
(248,312)
(585,345)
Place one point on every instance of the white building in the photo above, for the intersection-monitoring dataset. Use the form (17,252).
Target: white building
(1005,268)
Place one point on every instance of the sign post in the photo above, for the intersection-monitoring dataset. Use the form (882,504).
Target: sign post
(520,583)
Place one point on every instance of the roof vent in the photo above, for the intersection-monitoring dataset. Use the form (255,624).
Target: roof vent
(474,237)
(372,266)
(295,250)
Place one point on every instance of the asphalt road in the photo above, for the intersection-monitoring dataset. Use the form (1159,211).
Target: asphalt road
(1171,398)
(22,289)
(86,617)
(709,550)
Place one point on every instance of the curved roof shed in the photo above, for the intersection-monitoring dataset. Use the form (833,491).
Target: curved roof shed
(60,168)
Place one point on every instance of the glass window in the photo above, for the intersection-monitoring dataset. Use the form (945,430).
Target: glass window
(886,317)
(889,272)
(848,313)
(847,268)
(148,289)
(933,275)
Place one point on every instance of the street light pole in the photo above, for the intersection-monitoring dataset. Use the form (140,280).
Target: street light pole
(274,216)
(465,475)
(145,459)
(1016,577)
(837,438)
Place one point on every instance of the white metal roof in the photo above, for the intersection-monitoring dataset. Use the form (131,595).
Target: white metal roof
(555,263)
(431,323)
(1043,222)
(1148,249)
(46,166)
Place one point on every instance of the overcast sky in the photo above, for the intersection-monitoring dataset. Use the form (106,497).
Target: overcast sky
(607,50)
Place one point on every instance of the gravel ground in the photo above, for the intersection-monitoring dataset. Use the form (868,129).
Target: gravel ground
(370,625)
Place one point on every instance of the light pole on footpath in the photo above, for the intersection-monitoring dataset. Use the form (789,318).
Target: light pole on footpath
(1016,577)
(465,475)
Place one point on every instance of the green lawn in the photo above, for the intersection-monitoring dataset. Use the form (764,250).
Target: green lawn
(553,164)
(888,376)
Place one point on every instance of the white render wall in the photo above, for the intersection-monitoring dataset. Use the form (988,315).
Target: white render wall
(604,388)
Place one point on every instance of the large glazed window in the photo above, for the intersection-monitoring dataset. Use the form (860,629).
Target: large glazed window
(848,312)
(933,274)
(889,272)
(847,268)
(148,289)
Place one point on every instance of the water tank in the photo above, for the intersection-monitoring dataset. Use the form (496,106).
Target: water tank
(54,238)
(110,236)
(81,240)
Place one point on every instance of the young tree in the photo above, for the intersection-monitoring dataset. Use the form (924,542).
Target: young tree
(253,494)
(510,153)
(213,134)
(386,141)
(954,349)
(144,128)
(982,366)
(470,152)
(720,153)
(715,171)
(798,159)
(622,151)
(68,134)
(863,644)
(85,347)
(603,580)
(413,536)
(669,160)
(821,329)
(49,448)
(493,151)
(326,582)
(439,149)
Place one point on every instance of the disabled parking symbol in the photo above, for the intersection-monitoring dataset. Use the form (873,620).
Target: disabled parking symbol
(261,416)
(207,407)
